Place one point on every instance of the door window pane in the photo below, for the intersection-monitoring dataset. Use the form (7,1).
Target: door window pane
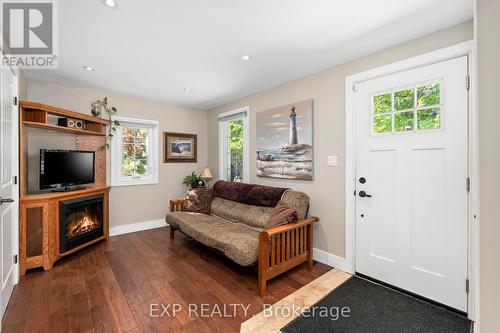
(382,103)
(404,100)
(382,124)
(429,118)
(403,121)
(428,95)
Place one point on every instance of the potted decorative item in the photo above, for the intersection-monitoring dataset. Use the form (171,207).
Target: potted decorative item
(111,111)
(193,181)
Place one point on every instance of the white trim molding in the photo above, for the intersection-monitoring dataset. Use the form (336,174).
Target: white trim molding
(135,227)
(331,260)
(452,52)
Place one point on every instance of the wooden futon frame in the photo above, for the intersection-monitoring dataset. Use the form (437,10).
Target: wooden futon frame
(280,248)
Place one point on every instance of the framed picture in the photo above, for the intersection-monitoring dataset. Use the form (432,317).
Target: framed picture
(179,148)
(285,142)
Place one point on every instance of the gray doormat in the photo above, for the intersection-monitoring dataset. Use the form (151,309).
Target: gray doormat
(374,308)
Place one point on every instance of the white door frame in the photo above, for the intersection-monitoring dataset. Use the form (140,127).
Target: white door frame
(462,49)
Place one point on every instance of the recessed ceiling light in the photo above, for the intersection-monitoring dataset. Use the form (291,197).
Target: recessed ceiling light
(110,3)
(246,57)
(89,68)
(187,90)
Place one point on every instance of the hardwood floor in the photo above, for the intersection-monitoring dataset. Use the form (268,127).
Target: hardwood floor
(111,286)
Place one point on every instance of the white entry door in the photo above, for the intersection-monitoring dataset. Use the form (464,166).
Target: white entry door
(8,190)
(411,176)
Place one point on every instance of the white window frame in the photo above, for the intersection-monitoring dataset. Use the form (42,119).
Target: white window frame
(246,143)
(117,179)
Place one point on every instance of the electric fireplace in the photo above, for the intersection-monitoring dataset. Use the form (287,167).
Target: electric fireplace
(80,221)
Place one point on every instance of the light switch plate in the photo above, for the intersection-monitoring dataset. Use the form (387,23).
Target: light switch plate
(331,160)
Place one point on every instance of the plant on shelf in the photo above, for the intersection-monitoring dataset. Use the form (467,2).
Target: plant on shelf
(191,179)
(111,111)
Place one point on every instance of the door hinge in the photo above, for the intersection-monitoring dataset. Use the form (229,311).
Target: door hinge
(467,82)
(15,180)
(15,100)
(355,87)
(467,184)
(467,285)
(15,258)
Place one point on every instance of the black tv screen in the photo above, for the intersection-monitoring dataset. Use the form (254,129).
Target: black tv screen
(65,168)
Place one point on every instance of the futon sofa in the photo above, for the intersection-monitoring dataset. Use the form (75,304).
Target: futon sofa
(238,227)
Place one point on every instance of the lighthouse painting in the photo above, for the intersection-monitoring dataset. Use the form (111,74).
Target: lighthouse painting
(285,142)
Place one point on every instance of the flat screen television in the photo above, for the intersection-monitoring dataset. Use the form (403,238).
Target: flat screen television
(65,168)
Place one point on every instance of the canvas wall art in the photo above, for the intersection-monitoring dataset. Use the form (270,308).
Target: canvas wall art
(285,142)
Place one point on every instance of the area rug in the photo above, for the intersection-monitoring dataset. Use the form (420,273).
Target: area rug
(359,305)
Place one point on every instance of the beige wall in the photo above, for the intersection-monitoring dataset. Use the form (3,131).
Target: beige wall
(130,204)
(488,31)
(327,191)
(22,92)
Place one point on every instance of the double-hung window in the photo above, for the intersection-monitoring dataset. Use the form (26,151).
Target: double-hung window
(234,145)
(134,152)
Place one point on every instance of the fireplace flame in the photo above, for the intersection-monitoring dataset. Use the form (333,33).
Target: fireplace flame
(81,224)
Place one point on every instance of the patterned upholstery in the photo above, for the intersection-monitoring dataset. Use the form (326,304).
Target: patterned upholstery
(298,201)
(237,241)
(253,216)
(234,227)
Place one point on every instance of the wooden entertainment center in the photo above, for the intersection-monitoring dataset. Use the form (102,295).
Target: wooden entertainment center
(39,225)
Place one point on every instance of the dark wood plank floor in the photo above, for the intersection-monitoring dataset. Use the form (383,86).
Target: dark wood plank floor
(110,287)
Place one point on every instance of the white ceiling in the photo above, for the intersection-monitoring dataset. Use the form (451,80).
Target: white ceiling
(156,48)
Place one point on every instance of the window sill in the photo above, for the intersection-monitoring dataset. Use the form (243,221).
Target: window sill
(135,182)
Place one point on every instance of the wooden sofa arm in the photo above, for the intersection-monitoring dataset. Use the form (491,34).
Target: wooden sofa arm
(283,228)
(284,247)
(177,205)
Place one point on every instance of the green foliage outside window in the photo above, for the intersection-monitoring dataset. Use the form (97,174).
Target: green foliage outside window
(135,154)
(236,149)
(428,109)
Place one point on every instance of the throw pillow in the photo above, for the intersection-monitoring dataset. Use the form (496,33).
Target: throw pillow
(199,200)
(281,214)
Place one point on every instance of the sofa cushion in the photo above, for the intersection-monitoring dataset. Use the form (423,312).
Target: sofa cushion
(199,200)
(298,201)
(237,241)
(250,194)
(253,216)
(280,215)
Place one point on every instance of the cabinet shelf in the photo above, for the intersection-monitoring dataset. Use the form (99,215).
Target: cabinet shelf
(51,127)
(44,116)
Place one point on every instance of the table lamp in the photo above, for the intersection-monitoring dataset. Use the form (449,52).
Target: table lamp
(206,176)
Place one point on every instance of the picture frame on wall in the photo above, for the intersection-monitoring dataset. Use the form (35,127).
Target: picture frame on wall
(285,142)
(180,147)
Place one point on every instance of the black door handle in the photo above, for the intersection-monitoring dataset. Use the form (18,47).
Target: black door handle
(6,200)
(364,194)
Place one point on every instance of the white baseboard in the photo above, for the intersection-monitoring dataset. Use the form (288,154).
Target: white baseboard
(331,260)
(133,227)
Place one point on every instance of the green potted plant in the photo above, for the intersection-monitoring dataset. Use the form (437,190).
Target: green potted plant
(111,111)
(193,181)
